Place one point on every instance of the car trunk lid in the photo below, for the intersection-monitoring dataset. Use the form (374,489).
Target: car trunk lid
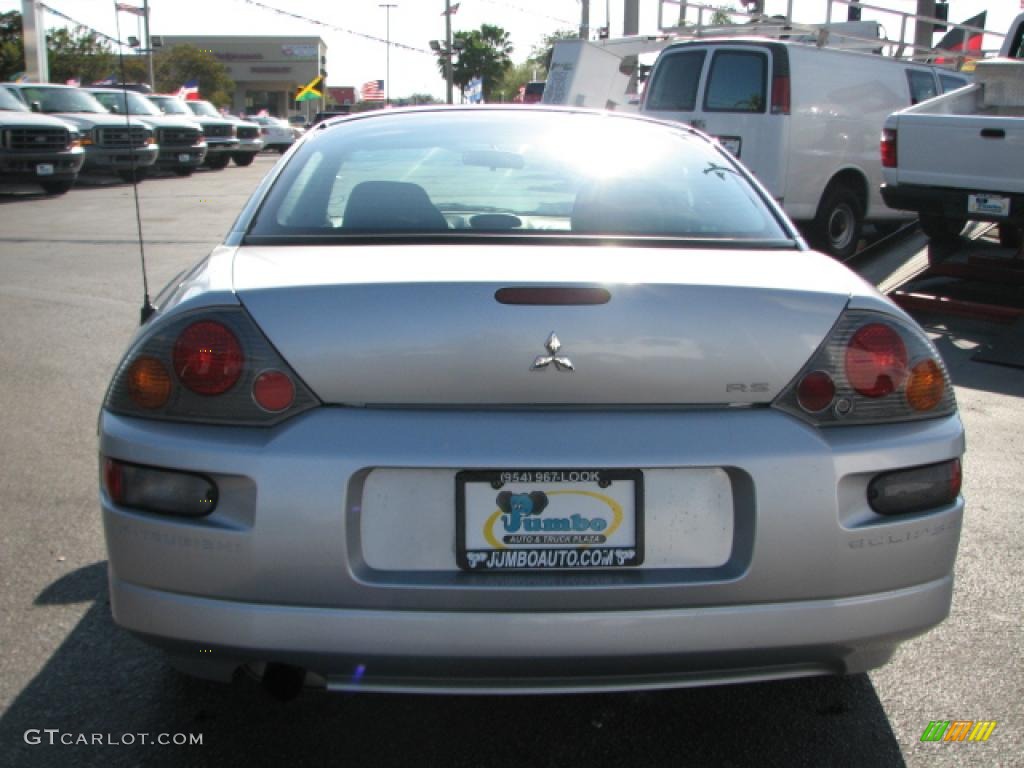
(421,325)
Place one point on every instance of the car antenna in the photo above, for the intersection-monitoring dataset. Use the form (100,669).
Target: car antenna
(147,307)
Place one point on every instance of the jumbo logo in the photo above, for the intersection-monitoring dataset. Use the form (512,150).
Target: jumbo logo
(522,521)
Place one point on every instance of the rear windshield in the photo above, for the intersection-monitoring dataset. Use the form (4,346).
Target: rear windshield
(675,81)
(535,173)
(737,82)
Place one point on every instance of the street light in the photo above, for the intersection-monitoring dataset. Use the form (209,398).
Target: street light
(387,60)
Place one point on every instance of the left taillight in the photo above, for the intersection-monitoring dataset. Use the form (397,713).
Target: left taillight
(211,367)
(872,368)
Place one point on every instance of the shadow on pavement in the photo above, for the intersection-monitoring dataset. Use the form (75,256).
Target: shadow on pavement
(103,681)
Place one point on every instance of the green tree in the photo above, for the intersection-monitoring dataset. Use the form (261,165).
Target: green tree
(12,51)
(722,16)
(79,54)
(486,52)
(178,64)
(419,98)
(515,77)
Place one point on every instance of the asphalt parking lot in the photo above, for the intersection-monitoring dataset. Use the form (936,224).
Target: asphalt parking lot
(70,291)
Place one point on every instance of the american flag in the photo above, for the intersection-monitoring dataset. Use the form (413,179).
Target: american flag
(372,90)
(189,90)
(129,8)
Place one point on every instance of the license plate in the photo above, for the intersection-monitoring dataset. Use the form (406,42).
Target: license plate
(732,144)
(531,520)
(184,158)
(44,169)
(989,205)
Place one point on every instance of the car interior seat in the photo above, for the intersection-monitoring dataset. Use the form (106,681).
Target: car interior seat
(617,206)
(391,205)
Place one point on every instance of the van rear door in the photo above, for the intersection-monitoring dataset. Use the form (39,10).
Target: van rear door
(731,91)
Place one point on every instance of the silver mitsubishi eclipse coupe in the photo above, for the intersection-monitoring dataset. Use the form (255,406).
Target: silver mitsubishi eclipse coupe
(525,400)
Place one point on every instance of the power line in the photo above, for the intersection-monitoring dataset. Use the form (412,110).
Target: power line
(77,23)
(334,27)
(528,12)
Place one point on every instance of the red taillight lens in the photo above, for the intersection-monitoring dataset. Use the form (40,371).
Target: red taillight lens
(876,360)
(780,95)
(208,358)
(113,480)
(815,391)
(273,391)
(887,145)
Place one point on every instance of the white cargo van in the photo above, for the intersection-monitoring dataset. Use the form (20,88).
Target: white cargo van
(806,120)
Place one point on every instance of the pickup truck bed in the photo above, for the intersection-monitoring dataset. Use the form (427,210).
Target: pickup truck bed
(960,156)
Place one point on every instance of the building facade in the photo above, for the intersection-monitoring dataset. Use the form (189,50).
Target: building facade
(267,70)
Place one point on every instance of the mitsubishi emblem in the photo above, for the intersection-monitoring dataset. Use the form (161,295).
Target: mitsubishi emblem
(552,345)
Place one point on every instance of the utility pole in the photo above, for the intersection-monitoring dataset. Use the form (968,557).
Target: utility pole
(631,17)
(924,30)
(584,19)
(387,60)
(448,50)
(33,32)
(149,43)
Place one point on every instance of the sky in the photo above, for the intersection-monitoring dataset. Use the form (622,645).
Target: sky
(353,57)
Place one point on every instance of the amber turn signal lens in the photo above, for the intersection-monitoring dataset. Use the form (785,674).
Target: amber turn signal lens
(149,383)
(925,386)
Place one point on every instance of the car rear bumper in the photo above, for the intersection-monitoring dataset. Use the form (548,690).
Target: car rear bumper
(950,203)
(333,544)
(463,652)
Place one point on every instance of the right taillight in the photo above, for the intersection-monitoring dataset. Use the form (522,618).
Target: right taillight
(780,95)
(887,146)
(872,368)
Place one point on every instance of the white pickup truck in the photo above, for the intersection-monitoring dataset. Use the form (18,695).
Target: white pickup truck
(960,156)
